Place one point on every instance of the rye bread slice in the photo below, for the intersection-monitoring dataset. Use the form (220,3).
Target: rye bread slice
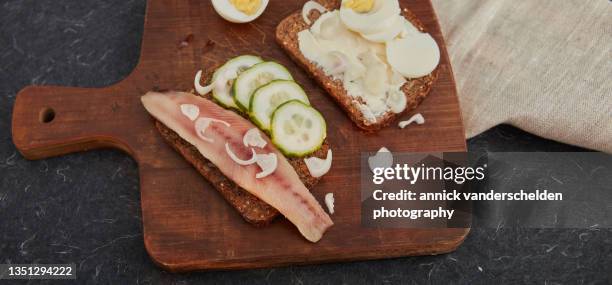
(251,208)
(415,89)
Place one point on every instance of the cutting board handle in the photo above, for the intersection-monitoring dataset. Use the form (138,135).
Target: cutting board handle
(51,121)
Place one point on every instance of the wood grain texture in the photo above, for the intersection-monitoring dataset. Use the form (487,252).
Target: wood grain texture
(187,225)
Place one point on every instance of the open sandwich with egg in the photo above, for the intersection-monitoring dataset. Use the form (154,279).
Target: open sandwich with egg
(252,133)
(372,57)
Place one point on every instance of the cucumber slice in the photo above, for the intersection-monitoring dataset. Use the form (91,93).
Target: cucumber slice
(239,64)
(255,77)
(297,129)
(268,97)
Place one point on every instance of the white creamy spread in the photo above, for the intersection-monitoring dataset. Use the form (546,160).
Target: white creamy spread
(366,75)
(367,52)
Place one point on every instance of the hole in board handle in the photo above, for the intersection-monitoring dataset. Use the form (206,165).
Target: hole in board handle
(46,115)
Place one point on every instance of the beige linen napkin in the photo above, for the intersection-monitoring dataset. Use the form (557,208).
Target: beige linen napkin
(544,66)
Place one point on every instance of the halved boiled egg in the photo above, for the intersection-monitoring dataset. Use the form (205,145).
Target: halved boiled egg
(388,33)
(240,11)
(369,16)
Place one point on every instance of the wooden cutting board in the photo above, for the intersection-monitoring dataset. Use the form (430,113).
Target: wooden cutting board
(186,224)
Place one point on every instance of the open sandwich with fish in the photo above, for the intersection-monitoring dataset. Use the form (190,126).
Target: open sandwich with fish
(252,133)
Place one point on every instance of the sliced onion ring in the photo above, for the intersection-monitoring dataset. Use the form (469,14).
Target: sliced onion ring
(218,84)
(317,166)
(329,201)
(235,158)
(417,118)
(202,90)
(190,111)
(309,6)
(268,163)
(253,138)
(202,124)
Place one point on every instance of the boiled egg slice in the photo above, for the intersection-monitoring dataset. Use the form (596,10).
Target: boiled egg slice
(413,56)
(240,11)
(368,21)
(389,33)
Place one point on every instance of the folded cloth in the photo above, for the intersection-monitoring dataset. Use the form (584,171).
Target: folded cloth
(544,66)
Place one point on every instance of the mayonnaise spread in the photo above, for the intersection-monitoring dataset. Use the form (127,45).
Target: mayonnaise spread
(359,63)
(369,74)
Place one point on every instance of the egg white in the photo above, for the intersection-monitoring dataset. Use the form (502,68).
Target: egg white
(371,22)
(227,11)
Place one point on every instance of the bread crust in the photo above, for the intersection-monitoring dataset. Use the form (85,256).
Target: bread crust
(415,89)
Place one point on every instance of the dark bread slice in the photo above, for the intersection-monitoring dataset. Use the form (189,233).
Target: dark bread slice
(252,209)
(415,89)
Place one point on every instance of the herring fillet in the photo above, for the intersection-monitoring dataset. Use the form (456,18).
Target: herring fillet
(283,189)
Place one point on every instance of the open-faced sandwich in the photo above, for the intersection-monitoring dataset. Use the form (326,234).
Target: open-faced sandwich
(254,136)
(372,57)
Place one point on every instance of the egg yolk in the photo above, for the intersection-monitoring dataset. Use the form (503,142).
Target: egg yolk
(360,6)
(248,7)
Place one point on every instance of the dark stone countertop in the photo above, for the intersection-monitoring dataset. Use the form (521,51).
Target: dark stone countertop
(85,208)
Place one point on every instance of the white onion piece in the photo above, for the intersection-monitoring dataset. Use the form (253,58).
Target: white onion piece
(309,6)
(190,111)
(382,159)
(229,74)
(268,163)
(319,167)
(219,84)
(202,124)
(418,118)
(253,138)
(235,158)
(202,90)
(329,202)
